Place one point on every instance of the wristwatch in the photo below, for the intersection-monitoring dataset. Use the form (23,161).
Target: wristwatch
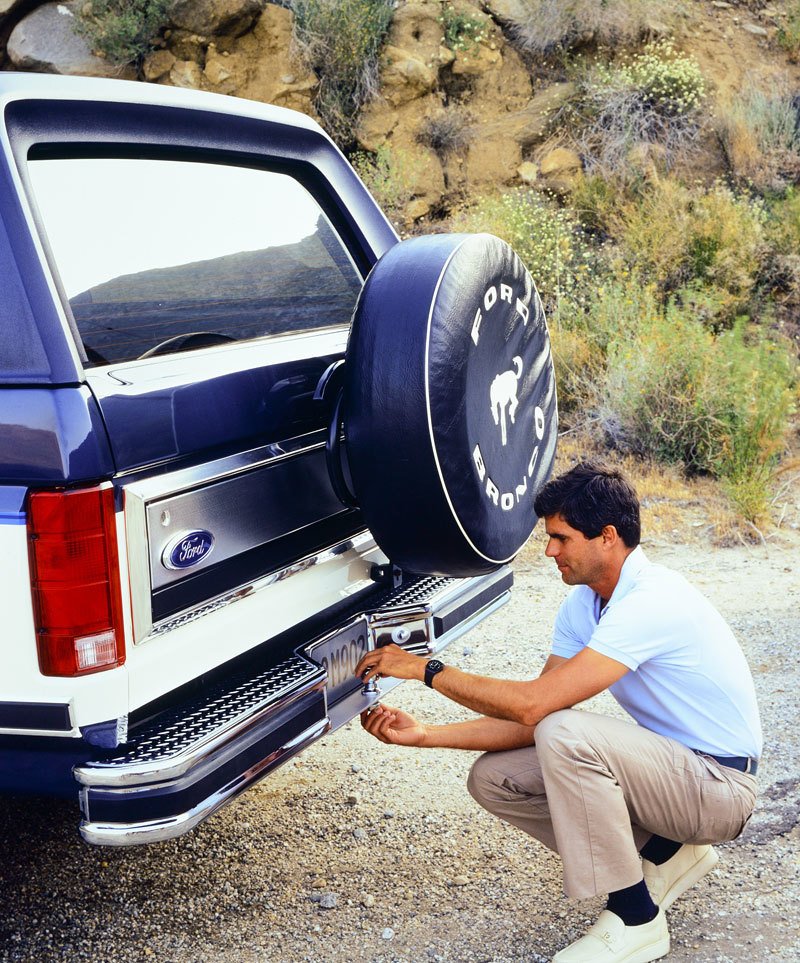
(434,667)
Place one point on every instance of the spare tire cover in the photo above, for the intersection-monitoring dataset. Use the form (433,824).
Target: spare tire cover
(449,404)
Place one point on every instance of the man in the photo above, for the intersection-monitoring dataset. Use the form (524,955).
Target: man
(631,808)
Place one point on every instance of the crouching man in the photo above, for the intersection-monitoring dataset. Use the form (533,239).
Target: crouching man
(631,808)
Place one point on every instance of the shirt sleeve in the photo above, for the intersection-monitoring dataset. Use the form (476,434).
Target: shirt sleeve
(629,631)
(566,640)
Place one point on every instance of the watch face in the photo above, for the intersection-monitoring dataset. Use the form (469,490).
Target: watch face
(435,665)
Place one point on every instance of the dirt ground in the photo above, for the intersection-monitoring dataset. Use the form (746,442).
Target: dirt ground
(362,852)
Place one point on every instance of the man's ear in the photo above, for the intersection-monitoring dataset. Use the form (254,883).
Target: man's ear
(610,536)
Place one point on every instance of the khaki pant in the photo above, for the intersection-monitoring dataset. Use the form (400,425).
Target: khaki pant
(595,789)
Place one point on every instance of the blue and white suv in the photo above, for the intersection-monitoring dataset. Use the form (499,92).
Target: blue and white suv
(195,464)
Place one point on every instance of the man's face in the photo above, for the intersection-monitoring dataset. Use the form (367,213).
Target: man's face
(580,559)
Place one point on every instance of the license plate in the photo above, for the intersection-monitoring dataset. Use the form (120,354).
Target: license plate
(339,655)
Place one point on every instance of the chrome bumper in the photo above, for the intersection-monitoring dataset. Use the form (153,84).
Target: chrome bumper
(193,760)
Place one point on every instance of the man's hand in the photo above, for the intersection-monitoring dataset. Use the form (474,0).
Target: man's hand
(393,726)
(391,660)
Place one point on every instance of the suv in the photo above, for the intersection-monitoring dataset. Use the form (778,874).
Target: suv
(228,465)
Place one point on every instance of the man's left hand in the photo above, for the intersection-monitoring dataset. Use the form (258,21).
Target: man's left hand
(391,660)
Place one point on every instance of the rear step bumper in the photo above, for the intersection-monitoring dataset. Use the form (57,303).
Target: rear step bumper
(201,755)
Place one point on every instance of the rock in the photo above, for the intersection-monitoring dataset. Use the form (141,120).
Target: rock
(560,169)
(416,27)
(528,172)
(755,29)
(404,77)
(506,10)
(387,934)
(157,64)
(186,73)
(260,65)
(6,6)
(492,160)
(46,41)
(359,834)
(210,18)
(721,5)
(368,900)
(476,60)
(460,881)
(416,209)
(328,901)
(353,799)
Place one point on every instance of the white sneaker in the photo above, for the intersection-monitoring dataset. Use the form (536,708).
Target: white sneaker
(670,880)
(609,940)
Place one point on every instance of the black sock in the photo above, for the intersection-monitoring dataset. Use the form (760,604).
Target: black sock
(633,905)
(658,850)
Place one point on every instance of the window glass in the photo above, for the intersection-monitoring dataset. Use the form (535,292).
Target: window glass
(159,256)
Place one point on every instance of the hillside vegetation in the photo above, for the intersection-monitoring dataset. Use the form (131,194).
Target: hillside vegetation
(666,248)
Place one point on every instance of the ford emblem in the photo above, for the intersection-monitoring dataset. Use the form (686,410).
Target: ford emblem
(187,549)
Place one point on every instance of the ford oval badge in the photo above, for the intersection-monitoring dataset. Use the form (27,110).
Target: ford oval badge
(187,549)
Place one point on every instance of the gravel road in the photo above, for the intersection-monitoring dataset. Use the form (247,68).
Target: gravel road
(362,852)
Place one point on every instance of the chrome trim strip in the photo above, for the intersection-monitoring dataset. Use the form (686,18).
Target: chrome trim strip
(132,776)
(132,834)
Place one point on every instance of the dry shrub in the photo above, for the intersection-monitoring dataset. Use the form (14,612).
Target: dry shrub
(759,134)
(540,26)
(341,40)
(639,116)
(447,132)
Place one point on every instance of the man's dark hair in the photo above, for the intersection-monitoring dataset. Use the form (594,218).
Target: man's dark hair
(591,496)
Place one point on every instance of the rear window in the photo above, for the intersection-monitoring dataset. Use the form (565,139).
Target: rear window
(157,256)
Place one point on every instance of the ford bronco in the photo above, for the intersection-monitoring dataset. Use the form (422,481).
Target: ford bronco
(245,436)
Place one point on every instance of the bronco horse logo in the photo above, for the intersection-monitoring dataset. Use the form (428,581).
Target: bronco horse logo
(503,394)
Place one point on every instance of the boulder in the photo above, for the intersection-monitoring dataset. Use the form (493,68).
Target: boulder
(157,65)
(560,169)
(260,65)
(46,41)
(186,73)
(528,172)
(210,18)
(404,76)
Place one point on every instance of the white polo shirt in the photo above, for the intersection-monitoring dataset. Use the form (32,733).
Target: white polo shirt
(689,679)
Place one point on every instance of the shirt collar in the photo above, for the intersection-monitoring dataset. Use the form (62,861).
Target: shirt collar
(631,568)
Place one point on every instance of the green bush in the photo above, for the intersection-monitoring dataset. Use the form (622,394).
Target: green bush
(789,31)
(125,31)
(539,26)
(341,40)
(547,238)
(679,239)
(714,403)
(462,30)
(387,175)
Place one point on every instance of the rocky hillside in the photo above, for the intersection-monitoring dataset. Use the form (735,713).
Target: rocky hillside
(465,116)
(642,156)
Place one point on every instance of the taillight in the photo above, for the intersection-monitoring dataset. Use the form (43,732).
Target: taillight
(75,581)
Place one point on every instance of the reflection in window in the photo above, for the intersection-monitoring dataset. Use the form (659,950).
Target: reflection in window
(160,256)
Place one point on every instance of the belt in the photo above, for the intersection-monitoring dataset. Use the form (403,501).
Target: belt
(742,763)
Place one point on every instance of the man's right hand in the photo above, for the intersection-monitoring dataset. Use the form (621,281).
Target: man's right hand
(393,726)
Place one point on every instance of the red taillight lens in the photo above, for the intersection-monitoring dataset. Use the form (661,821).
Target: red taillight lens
(75,581)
